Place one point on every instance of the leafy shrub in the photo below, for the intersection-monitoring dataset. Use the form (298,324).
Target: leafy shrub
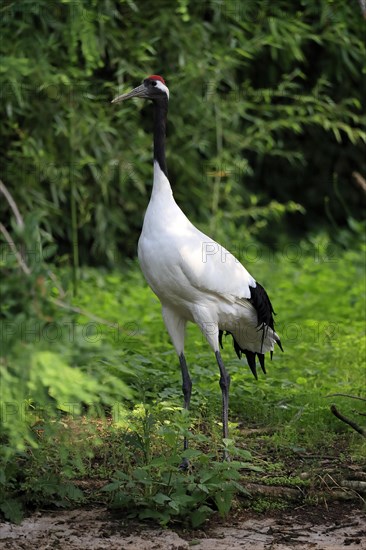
(266,112)
(152,486)
(50,365)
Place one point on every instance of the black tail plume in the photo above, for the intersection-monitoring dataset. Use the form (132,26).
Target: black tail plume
(262,304)
(261,361)
(250,355)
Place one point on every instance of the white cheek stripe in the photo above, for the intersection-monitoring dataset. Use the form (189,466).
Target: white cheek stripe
(162,87)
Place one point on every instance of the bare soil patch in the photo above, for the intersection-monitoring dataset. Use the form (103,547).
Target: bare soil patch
(339,527)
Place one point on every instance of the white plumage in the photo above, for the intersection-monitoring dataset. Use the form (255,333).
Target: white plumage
(194,277)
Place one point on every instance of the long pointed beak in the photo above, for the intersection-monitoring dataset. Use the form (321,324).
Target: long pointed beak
(140,91)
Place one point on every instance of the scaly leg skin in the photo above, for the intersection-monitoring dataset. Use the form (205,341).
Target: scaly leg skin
(187,390)
(224,385)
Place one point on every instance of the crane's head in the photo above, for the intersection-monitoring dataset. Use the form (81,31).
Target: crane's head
(153,87)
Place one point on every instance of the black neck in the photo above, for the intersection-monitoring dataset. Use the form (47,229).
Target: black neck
(160,116)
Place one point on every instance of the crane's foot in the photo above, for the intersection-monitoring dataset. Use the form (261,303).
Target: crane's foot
(226,456)
(184,465)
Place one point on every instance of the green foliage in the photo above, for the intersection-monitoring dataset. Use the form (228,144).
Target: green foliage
(12,510)
(266,125)
(267,109)
(262,505)
(153,487)
(43,474)
(50,364)
(294,481)
(52,452)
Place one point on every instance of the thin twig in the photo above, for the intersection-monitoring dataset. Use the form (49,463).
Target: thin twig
(12,204)
(346,395)
(363,7)
(21,262)
(56,301)
(361,182)
(346,420)
(53,277)
(338,489)
(84,312)
(25,268)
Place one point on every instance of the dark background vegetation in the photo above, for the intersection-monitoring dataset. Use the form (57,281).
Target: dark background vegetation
(266,153)
(266,105)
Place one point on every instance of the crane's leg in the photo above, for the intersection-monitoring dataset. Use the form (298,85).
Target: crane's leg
(176,328)
(210,330)
(187,390)
(224,385)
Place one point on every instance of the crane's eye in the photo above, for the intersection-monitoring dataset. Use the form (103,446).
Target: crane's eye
(149,82)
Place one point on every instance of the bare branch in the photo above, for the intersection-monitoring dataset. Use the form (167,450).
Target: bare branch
(21,262)
(25,268)
(346,395)
(291,493)
(354,484)
(363,7)
(361,182)
(346,420)
(12,204)
(57,302)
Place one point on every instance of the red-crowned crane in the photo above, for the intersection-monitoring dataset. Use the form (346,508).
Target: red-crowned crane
(195,278)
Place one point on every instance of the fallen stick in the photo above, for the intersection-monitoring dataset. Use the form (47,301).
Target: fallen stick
(345,490)
(271,491)
(359,486)
(348,421)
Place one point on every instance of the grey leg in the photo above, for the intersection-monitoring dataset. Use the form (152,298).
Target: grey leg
(187,390)
(224,385)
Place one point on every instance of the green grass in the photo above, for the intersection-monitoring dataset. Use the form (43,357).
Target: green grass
(320,303)
(131,368)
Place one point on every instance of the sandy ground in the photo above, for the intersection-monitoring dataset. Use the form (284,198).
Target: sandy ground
(317,529)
